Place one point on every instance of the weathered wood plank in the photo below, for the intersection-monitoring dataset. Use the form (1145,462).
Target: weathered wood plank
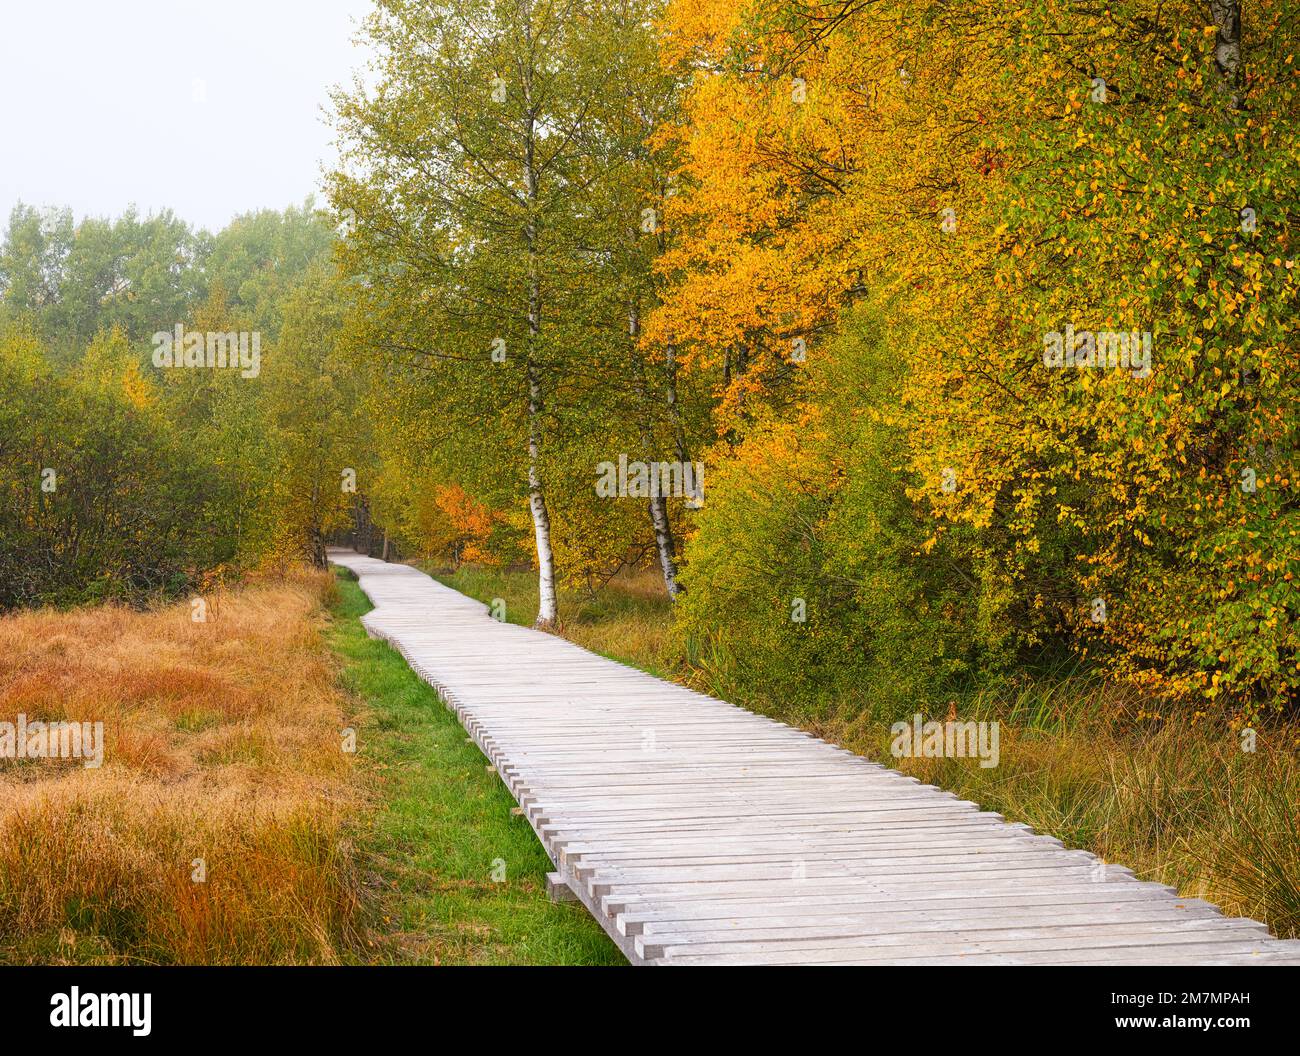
(698,833)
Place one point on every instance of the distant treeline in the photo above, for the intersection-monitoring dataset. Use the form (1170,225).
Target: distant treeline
(124,480)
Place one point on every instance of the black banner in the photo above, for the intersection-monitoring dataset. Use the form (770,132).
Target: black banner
(145,1005)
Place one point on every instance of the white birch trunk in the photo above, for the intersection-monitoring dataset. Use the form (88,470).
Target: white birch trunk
(1226,15)
(658,503)
(547,606)
(664,544)
(547,603)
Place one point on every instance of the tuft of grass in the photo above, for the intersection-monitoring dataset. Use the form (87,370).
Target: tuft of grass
(213,831)
(1176,800)
(451,876)
(1179,804)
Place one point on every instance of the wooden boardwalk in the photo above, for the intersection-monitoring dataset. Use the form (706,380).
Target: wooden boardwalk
(699,833)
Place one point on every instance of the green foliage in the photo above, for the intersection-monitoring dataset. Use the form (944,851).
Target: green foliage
(812,567)
(162,476)
(522,232)
(75,279)
(99,496)
(318,440)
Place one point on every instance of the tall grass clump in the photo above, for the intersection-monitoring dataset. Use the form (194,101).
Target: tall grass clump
(214,831)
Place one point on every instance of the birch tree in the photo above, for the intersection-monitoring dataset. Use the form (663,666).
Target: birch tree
(465,170)
(630,186)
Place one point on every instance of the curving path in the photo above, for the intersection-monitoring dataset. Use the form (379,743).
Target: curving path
(699,833)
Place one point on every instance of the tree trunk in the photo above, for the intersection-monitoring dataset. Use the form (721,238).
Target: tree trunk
(547,608)
(1227,50)
(664,544)
(663,528)
(315,540)
(385,553)
(547,605)
(363,532)
(317,545)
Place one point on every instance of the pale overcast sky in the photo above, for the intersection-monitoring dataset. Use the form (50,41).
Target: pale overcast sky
(210,108)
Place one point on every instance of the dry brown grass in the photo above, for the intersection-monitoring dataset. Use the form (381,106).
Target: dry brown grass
(1179,803)
(221,742)
(625,619)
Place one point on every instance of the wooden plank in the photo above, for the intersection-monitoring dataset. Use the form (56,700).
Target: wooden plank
(558,889)
(698,833)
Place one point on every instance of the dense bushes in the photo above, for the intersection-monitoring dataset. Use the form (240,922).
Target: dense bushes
(124,480)
(101,498)
(1009,180)
(814,571)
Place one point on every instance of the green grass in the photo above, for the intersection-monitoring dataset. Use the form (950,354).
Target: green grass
(438,825)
